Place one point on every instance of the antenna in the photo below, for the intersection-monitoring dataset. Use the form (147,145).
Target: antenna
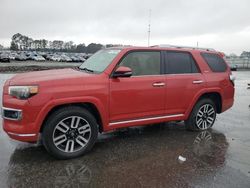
(149,25)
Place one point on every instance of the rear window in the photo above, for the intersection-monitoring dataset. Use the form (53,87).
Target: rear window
(180,63)
(215,62)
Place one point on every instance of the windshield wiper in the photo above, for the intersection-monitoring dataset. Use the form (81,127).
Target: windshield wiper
(86,69)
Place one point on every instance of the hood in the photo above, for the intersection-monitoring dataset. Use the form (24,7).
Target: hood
(47,76)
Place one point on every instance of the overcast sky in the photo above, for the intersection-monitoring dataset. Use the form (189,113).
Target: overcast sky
(220,24)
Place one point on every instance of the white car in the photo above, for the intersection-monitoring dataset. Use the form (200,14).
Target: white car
(39,58)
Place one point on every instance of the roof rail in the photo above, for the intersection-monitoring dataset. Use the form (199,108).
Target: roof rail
(185,47)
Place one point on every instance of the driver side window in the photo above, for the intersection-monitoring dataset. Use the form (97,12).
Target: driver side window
(142,63)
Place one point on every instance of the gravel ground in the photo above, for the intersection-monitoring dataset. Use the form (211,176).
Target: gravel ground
(143,157)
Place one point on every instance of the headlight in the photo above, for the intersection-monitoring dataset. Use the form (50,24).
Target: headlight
(23,92)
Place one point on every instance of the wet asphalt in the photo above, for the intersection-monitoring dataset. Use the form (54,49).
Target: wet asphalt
(143,156)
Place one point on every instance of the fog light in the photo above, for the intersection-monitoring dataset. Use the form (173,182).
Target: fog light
(11,114)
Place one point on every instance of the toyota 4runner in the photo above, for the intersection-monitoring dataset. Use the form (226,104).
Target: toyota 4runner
(116,88)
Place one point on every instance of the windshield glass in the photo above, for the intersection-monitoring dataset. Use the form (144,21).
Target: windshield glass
(99,61)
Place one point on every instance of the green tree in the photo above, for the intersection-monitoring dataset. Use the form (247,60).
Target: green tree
(13,46)
(81,48)
(93,47)
(44,43)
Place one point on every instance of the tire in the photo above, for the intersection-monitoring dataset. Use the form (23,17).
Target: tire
(69,132)
(202,116)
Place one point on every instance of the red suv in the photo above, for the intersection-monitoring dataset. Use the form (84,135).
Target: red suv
(116,88)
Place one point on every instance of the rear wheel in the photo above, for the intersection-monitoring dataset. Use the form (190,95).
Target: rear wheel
(202,116)
(69,132)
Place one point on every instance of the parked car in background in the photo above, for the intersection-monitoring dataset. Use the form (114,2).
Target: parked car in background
(65,58)
(81,59)
(4,57)
(77,58)
(21,57)
(43,56)
(55,57)
(12,56)
(38,58)
(233,67)
(117,88)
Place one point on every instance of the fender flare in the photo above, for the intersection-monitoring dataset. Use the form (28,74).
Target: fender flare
(72,100)
(197,97)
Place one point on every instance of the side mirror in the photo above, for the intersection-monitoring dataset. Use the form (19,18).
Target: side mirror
(122,72)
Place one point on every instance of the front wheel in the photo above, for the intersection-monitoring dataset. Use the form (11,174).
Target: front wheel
(202,116)
(69,132)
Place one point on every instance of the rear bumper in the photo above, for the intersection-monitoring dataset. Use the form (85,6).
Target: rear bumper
(227,104)
(228,98)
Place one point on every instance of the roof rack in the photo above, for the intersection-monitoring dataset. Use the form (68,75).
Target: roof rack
(185,47)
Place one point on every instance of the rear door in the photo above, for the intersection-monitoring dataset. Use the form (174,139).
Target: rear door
(183,81)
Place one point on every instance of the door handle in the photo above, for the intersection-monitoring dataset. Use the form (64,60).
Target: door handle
(198,81)
(158,84)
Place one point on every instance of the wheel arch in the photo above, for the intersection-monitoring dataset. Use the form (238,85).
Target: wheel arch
(92,108)
(214,95)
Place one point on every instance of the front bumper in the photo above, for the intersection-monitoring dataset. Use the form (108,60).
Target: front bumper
(17,127)
(32,137)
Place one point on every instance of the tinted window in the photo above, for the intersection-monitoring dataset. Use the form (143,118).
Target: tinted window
(142,63)
(180,63)
(215,62)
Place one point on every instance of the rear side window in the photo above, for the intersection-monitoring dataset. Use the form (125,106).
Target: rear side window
(143,63)
(215,62)
(180,63)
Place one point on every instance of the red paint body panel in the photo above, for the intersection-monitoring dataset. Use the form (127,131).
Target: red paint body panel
(121,102)
(132,98)
(180,91)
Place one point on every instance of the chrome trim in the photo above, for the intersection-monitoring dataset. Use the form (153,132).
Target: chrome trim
(158,84)
(12,109)
(198,81)
(164,74)
(170,74)
(21,135)
(145,119)
(149,75)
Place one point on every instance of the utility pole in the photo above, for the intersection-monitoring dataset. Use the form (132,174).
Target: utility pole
(149,25)
(197,44)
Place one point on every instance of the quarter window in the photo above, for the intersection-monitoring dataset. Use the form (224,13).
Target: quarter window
(215,62)
(143,63)
(180,63)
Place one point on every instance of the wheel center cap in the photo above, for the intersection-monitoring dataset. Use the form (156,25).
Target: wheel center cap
(72,133)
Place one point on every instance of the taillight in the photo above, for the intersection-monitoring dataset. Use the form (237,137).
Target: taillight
(232,78)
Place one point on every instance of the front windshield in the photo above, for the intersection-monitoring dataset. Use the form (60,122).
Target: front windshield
(99,61)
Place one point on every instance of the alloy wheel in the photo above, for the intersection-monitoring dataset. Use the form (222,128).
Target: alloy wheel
(205,117)
(71,134)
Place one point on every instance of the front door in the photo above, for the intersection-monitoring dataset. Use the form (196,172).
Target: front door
(143,94)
